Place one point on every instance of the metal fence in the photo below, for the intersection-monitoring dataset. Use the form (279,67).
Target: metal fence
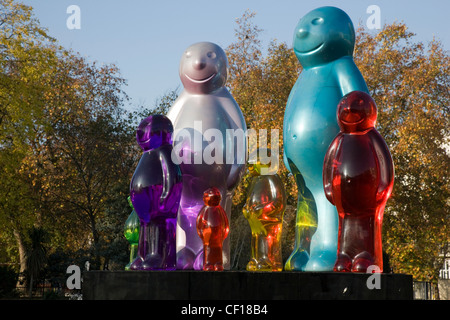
(424,290)
(444,273)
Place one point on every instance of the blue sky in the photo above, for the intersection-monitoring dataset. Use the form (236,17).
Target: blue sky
(145,38)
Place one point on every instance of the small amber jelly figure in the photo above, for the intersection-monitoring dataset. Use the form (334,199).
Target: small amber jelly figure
(264,210)
(358,179)
(213,228)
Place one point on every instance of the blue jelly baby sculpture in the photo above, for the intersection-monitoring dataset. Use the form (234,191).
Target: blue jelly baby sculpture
(155,192)
(209,144)
(324,41)
(358,179)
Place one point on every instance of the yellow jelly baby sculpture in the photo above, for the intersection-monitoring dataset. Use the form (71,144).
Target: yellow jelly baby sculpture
(264,210)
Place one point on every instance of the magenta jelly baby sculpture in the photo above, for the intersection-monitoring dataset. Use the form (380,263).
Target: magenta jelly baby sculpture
(212,228)
(358,177)
(155,193)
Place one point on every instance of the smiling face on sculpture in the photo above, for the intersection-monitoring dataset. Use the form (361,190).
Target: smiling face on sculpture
(356,112)
(323,35)
(203,68)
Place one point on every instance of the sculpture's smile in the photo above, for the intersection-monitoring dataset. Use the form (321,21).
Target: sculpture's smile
(201,80)
(352,123)
(317,48)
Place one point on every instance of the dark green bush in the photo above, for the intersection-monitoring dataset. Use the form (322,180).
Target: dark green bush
(8,280)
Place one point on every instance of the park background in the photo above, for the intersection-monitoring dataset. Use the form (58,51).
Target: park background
(70,100)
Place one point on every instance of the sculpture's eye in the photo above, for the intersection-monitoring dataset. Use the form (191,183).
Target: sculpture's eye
(317,21)
(211,54)
(188,54)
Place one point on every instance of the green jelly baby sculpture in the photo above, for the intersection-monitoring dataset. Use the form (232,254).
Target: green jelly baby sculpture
(131,233)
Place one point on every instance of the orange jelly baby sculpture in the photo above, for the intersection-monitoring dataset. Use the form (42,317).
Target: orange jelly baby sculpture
(358,178)
(212,228)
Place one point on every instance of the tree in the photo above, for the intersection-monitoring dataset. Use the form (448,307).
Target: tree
(36,256)
(60,114)
(27,55)
(90,144)
(410,82)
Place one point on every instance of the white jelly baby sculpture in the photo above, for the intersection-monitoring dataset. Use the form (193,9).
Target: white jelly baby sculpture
(209,144)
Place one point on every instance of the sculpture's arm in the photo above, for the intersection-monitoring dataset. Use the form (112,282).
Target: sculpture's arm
(328,166)
(348,76)
(171,191)
(385,164)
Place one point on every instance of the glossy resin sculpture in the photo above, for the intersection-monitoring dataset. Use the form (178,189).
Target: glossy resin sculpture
(323,43)
(264,210)
(212,228)
(155,192)
(131,233)
(209,142)
(358,179)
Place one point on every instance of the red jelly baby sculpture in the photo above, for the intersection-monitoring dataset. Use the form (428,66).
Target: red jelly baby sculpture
(358,176)
(213,228)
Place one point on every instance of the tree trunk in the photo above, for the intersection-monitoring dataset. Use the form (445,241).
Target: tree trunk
(96,258)
(22,250)
(31,287)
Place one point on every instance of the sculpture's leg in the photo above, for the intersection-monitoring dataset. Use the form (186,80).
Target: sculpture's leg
(378,250)
(274,243)
(356,243)
(170,244)
(133,255)
(251,265)
(189,245)
(161,254)
(305,227)
(324,241)
(343,261)
(153,259)
(143,247)
(263,262)
(227,203)
(360,240)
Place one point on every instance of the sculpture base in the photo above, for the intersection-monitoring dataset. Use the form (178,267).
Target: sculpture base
(244,285)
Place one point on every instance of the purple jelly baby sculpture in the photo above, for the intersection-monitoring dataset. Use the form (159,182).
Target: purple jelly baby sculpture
(155,193)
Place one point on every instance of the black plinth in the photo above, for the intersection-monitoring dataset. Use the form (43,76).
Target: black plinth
(242,285)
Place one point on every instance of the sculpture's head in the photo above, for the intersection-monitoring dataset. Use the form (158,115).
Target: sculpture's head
(203,68)
(212,197)
(154,131)
(261,162)
(356,112)
(323,35)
